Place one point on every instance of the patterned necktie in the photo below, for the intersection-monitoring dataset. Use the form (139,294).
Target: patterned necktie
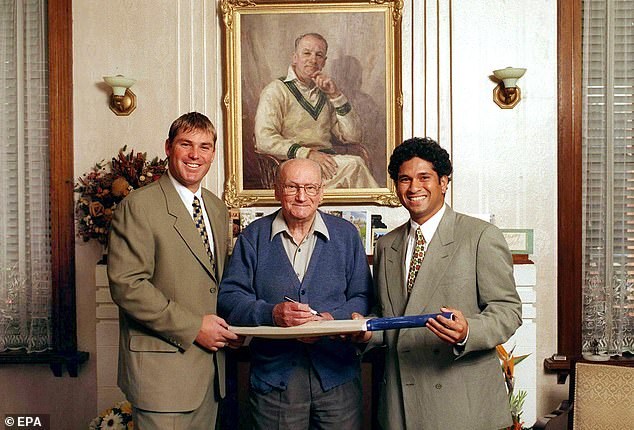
(200,225)
(417,259)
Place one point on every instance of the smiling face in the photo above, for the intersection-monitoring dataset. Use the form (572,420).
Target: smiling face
(419,189)
(299,208)
(309,57)
(190,154)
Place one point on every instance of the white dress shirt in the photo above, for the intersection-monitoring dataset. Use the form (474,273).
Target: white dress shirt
(188,200)
(429,229)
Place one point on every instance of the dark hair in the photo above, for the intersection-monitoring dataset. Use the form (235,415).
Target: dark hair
(425,148)
(191,121)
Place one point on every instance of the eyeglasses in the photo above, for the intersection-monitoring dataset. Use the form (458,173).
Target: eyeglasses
(310,189)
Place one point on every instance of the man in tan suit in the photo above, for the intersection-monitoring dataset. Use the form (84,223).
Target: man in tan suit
(446,376)
(166,255)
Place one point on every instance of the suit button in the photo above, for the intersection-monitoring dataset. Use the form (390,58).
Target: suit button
(438,386)
(302,292)
(212,290)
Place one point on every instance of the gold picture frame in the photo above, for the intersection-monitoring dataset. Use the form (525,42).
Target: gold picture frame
(363,58)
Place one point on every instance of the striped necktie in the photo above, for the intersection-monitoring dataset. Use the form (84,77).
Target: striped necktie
(202,230)
(417,259)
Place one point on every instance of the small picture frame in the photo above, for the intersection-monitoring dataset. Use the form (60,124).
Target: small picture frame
(358,218)
(519,240)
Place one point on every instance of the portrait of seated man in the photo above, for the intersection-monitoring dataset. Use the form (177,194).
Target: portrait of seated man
(303,114)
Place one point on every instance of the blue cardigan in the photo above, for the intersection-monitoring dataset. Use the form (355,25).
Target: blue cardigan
(260,274)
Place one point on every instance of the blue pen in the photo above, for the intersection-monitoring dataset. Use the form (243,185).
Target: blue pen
(312,311)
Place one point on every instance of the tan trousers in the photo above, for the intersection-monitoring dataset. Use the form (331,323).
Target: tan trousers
(203,418)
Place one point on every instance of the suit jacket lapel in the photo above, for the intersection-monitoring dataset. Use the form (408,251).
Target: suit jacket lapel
(395,255)
(434,266)
(184,225)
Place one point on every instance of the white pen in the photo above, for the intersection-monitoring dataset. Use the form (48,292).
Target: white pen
(312,311)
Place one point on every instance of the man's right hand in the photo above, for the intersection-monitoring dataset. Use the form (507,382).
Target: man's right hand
(215,334)
(287,314)
(326,162)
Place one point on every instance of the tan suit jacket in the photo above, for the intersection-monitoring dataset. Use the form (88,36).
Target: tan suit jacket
(426,386)
(162,280)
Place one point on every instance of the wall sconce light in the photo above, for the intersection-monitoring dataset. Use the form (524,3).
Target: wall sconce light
(507,94)
(122,100)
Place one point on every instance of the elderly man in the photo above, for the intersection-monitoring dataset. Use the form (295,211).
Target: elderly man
(167,251)
(447,376)
(317,260)
(298,115)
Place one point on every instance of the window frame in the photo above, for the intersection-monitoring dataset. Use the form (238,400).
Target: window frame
(569,183)
(569,189)
(64,348)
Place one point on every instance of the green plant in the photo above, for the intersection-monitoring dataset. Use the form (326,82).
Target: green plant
(516,400)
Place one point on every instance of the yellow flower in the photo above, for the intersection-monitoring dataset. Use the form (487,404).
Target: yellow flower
(126,407)
(120,187)
(509,361)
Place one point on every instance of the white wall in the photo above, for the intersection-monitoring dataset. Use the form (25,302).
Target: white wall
(504,160)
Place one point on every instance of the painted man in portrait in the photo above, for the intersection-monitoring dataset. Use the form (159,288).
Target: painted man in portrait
(305,115)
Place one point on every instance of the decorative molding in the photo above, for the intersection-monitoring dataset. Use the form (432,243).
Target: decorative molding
(232,200)
(387,199)
(228,6)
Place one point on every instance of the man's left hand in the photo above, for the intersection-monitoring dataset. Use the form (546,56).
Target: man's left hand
(326,84)
(324,316)
(326,162)
(358,337)
(452,331)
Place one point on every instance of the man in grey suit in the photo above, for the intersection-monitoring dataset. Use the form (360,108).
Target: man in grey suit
(166,255)
(447,376)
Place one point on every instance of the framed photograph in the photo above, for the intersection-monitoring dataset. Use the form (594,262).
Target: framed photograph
(311,79)
(520,241)
(359,218)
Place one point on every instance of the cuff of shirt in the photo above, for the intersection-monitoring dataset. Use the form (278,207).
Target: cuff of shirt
(458,348)
(339,101)
(302,152)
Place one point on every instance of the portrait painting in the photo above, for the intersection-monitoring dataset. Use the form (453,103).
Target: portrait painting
(317,80)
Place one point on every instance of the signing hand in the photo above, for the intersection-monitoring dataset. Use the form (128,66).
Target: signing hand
(287,314)
(450,331)
(215,334)
(326,162)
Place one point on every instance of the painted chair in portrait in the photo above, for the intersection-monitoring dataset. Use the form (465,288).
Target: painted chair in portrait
(268,164)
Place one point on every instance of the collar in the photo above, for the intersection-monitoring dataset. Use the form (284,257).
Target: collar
(279,225)
(430,226)
(290,75)
(185,193)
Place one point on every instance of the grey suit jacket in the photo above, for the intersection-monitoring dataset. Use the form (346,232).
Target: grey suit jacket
(162,280)
(426,386)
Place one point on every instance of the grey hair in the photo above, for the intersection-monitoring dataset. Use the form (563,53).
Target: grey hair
(315,35)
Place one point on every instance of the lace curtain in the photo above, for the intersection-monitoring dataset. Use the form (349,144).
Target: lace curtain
(608,168)
(25,262)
